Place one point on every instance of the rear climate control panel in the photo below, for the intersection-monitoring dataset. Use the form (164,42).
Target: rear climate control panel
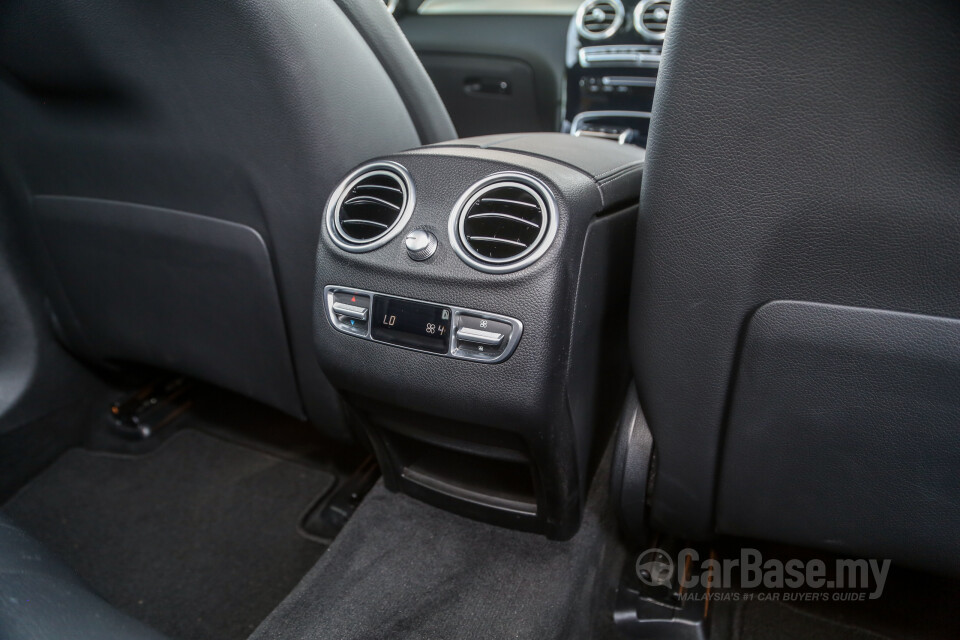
(440,329)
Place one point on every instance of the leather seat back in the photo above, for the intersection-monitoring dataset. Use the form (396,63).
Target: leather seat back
(41,598)
(802,180)
(172,160)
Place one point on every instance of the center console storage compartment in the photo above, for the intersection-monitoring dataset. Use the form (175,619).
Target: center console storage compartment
(470,305)
(484,473)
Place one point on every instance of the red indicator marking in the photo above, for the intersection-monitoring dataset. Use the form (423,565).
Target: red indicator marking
(353,299)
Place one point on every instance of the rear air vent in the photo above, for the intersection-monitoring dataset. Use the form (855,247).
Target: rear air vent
(370,206)
(650,18)
(503,223)
(599,19)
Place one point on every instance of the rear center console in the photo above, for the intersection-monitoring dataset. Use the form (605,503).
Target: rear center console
(470,306)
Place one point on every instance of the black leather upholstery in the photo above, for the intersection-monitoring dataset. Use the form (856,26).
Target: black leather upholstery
(243,112)
(42,599)
(803,151)
(842,433)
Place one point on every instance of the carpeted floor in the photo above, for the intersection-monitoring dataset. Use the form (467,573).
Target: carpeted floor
(403,569)
(198,539)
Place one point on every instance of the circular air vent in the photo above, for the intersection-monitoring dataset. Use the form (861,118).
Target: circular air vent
(599,19)
(370,207)
(391,5)
(650,18)
(503,223)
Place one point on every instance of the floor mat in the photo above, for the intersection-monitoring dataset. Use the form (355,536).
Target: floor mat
(402,569)
(198,539)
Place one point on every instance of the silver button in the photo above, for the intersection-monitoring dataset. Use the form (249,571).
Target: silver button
(491,338)
(350,311)
(421,244)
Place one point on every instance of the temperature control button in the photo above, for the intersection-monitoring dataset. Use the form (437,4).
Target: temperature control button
(350,311)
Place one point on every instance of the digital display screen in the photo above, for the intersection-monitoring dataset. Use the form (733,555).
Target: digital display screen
(411,324)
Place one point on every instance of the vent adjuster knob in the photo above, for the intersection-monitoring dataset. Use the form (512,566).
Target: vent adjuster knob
(421,244)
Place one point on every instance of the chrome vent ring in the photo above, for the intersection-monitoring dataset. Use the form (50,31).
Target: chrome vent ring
(503,223)
(599,19)
(650,18)
(370,207)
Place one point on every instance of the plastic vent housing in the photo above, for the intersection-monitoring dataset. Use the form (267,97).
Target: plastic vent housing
(370,207)
(599,19)
(503,223)
(650,18)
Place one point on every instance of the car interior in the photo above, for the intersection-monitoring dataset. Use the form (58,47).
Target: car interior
(459,319)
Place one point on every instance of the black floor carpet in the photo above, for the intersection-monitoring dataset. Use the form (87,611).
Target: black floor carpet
(402,569)
(198,539)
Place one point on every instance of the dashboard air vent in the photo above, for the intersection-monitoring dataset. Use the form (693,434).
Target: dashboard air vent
(599,19)
(370,206)
(650,18)
(503,223)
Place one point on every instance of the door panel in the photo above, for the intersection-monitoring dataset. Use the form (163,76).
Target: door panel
(485,94)
(525,49)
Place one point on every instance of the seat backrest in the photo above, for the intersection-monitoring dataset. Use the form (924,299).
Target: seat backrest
(802,180)
(40,597)
(173,160)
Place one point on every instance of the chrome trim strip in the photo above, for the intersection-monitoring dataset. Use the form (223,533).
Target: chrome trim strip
(453,350)
(589,116)
(629,81)
(545,238)
(336,233)
(639,56)
(618,15)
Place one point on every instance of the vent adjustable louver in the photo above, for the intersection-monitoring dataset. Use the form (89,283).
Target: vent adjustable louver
(503,223)
(599,19)
(370,206)
(650,18)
